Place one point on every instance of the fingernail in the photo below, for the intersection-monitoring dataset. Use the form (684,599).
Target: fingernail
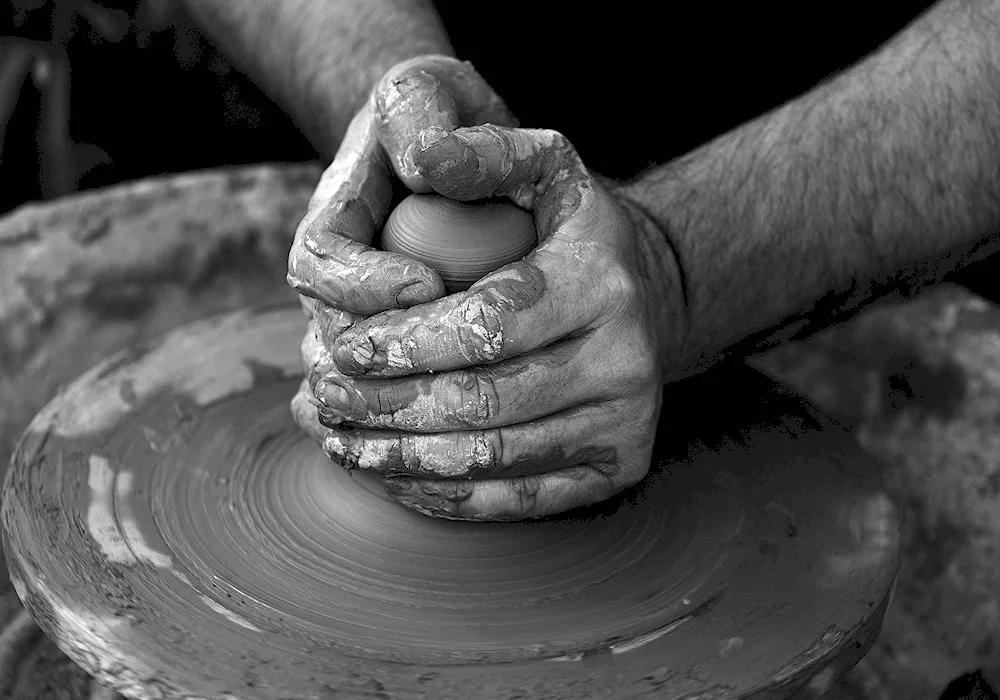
(333,395)
(440,147)
(413,293)
(337,446)
(430,136)
(318,239)
(327,418)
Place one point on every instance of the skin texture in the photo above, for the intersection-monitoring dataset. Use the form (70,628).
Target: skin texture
(535,391)
(319,59)
(877,181)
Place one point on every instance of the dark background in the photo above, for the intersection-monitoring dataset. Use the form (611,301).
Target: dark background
(147,94)
(126,89)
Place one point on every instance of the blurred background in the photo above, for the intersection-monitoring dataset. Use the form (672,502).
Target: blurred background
(93,94)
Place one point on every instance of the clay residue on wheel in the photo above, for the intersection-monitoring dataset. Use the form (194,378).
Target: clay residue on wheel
(97,403)
(246,537)
(470,323)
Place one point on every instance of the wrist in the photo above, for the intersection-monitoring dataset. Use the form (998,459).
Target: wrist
(318,59)
(663,283)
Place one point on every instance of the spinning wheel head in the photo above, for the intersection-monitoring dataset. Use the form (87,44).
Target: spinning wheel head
(175,534)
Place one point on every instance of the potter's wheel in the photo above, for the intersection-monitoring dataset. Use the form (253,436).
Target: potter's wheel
(175,534)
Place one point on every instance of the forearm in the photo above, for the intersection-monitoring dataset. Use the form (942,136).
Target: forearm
(883,179)
(319,58)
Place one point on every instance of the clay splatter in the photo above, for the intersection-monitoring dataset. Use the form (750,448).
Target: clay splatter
(115,529)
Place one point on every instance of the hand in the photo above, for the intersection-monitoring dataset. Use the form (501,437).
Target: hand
(340,277)
(546,383)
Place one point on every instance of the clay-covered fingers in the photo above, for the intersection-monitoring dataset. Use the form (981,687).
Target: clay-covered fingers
(537,168)
(524,388)
(431,92)
(559,291)
(575,279)
(503,499)
(303,407)
(589,434)
(331,258)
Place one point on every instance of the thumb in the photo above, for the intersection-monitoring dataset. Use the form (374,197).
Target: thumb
(430,91)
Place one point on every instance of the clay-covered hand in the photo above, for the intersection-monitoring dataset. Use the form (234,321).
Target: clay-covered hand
(539,388)
(339,276)
(331,258)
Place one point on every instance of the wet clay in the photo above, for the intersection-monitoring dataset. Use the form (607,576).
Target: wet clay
(462,242)
(176,535)
(471,324)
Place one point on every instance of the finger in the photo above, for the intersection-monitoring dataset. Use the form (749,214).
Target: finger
(431,91)
(522,306)
(588,434)
(315,360)
(331,258)
(331,322)
(530,304)
(537,168)
(315,354)
(504,499)
(304,411)
(522,389)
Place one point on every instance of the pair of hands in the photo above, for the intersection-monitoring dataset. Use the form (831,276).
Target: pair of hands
(535,391)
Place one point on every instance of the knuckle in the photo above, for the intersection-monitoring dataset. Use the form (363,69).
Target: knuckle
(480,328)
(649,413)
(452,456)
(410,455)
(316,359)
(384,454)
(644,364)
(564,157)
(610,471)
(336,449)
(621,286)
(526,488)
(553,138)
(332,322)
(479,454)
(486,453)
(632,474)
(447,456)
(297,281)
(477,400)
(305,415)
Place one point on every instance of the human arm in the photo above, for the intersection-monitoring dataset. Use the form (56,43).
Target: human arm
(533,433)
(880,180)
(319,59)
(810,210)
